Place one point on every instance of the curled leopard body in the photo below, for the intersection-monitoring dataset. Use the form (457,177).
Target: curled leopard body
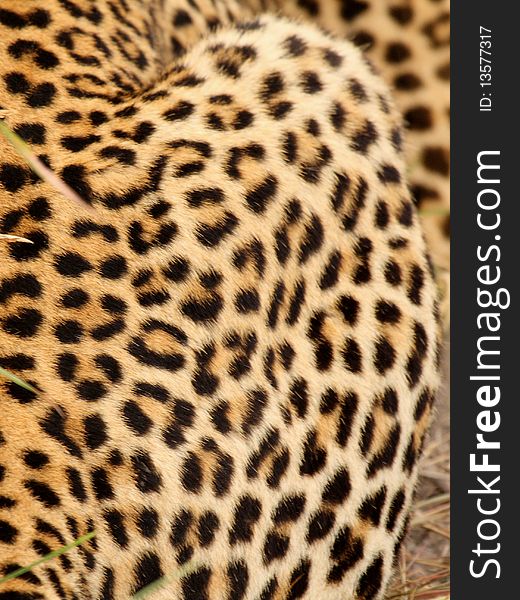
(235,348)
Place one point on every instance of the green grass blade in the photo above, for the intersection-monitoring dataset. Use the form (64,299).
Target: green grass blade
(161,582)
(434,211)
(15,379)
(48,557)
(39,168)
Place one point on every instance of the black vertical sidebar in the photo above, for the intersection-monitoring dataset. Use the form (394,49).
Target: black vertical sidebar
(485,331)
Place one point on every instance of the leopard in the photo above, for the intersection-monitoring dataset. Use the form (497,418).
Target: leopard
(409,42)
(231,345)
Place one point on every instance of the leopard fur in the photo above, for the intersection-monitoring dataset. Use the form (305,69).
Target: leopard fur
(236,347)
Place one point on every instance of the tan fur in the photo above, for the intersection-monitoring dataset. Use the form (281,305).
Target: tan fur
(159,352)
